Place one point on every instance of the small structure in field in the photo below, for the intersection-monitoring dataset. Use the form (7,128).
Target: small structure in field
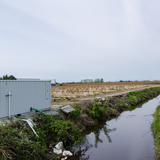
(21,96)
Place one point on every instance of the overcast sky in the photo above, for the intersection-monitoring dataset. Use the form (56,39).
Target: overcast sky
(70,40)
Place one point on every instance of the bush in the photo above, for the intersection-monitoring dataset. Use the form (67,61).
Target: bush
(56,130)
(19,143)
(97,111)
(76,113)
(8,77)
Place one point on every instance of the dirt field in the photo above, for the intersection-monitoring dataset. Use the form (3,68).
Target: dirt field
(62,94)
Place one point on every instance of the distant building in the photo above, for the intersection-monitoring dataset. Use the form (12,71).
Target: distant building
(19,96)
(98,80)
(87,81)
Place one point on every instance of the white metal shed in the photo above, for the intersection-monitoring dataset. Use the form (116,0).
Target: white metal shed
(19,96)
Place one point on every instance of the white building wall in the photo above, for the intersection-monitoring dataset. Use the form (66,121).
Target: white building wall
(23,96)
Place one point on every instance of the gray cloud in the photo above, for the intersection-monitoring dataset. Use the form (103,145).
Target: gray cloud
(72,40)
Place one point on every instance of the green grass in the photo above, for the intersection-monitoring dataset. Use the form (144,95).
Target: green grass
(18,142)
(156,132)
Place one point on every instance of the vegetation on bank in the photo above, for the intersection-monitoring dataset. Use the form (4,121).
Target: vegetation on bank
(156,132)
(104,109)
(19,142)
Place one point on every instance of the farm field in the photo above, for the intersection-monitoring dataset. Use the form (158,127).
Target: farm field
(71,93)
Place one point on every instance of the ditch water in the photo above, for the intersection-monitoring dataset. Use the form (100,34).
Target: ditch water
(128,137)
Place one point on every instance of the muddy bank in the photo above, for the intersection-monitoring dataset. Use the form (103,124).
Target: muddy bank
(19,142)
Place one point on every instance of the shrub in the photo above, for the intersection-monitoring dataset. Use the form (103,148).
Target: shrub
(76,113)
(56,130)
(97,110)
(20,143)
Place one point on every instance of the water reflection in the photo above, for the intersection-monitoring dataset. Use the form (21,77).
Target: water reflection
(80,151)
(106,132)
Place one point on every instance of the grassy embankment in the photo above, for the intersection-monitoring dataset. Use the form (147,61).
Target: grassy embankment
(18,142)
(156,132)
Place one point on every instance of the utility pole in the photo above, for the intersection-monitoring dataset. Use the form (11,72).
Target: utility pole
(9,103)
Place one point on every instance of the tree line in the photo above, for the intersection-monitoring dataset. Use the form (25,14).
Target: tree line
(8,77)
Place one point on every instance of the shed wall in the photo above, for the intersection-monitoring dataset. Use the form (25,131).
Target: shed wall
(24,95)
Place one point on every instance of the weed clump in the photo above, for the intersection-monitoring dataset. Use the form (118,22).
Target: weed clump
(19,142)
(54,129)
(97,110)
(76,113)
